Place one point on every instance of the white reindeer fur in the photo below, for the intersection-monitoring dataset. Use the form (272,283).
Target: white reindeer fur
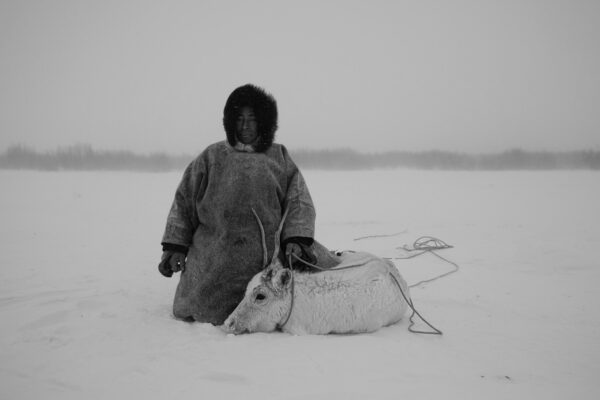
(361,299)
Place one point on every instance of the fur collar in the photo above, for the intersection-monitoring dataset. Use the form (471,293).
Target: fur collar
(245,148)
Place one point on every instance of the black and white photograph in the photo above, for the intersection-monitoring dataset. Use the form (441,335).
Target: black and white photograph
(299,199)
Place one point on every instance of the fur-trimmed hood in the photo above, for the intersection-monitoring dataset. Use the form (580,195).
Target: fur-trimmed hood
(265,108)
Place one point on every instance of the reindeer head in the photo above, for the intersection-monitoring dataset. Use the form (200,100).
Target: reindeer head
(265,303)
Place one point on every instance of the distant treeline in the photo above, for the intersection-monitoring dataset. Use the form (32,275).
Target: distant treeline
(515,159)
(84,157)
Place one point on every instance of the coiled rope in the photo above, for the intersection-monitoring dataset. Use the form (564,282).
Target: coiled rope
(427,244)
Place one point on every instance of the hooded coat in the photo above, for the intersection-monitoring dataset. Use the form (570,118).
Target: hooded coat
(212,219)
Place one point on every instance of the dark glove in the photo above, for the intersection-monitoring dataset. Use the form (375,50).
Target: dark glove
(171,261)
(302,251)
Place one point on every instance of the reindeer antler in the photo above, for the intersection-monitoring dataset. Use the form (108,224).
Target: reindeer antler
(262,236)
(277,237)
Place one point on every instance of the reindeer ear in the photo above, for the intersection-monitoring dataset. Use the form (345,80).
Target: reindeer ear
(282,279)
(268,273)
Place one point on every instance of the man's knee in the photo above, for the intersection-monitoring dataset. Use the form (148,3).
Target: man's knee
(181,310)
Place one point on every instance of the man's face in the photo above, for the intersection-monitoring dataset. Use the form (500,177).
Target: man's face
(246,126)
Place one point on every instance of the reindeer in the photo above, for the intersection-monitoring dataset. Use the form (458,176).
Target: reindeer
(362,293)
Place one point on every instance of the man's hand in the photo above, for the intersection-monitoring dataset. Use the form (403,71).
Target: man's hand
(304,252)
(293,248)
(170,262)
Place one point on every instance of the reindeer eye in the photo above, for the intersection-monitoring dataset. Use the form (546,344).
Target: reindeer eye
(260,297)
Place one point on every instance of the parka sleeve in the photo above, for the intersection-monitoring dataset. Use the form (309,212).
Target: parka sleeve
(182,220)
(300,222)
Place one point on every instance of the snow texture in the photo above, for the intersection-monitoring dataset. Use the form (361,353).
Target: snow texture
(86,315)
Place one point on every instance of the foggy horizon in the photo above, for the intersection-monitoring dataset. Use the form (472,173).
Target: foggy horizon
(153,76)
(193,152)
(86,158)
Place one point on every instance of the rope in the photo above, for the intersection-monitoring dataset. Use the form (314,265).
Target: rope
(291,291)
(456,268)
(436,331)
(328,269)
(427,244)
(379,236)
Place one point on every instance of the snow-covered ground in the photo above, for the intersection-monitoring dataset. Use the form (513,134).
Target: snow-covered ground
(86,315)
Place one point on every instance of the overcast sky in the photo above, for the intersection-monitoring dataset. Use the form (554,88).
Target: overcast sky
(472,76)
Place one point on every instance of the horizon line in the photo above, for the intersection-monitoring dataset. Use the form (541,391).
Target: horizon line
(89,147)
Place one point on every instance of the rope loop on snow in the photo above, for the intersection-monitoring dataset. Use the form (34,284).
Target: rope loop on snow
(427,244)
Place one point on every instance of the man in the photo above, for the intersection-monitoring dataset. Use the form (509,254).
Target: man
(212,235)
